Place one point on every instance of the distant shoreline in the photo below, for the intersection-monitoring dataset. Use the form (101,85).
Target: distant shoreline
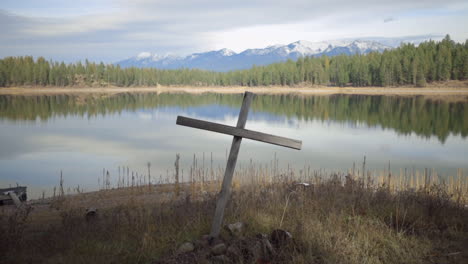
(454,91)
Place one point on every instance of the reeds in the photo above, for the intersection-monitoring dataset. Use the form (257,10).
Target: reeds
(203,178)
(356,216)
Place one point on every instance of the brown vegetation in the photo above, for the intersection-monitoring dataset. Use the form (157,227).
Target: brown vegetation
(352,217)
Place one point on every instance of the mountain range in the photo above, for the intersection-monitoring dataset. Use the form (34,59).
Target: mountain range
(227,60)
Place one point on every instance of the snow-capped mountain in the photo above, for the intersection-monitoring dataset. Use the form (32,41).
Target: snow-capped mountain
(226,60)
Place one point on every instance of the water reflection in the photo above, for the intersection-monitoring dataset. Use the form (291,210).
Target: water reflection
(81,135)
(405,115)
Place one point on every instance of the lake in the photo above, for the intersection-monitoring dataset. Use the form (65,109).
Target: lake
(82,135)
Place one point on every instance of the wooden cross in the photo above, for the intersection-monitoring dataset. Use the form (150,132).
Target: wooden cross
(238,132)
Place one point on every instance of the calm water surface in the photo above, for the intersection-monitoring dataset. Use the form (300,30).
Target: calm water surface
(82,135)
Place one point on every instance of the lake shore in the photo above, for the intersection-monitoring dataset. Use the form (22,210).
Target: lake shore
(451,90)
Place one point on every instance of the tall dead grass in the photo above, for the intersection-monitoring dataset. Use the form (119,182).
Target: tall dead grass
(353,217)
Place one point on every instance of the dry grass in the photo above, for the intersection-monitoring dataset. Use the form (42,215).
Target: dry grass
(339,218)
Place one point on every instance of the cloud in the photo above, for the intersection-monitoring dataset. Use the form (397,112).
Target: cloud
(111,30)
(82,24)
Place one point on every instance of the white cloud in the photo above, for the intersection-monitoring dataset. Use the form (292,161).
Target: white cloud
(81,24)
(125,28)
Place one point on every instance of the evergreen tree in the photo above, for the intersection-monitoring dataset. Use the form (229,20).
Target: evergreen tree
(406,65)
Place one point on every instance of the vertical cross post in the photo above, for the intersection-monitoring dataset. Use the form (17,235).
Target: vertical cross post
(230,166)
(238,132)
(15,199)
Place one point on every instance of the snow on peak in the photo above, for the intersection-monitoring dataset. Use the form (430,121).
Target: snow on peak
(143,55)
(156,57)
(225,59)
(364,45)
(275,46)
(304,47)
(147,57)
(226,52)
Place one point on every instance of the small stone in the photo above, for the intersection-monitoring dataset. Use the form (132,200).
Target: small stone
(257,251)
(262,251)
(234,253)
(236,229)
(268,247)
(202,260)
(221,259)
(218,249)
(185,247)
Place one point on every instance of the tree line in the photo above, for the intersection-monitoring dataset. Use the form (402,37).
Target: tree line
(406,65)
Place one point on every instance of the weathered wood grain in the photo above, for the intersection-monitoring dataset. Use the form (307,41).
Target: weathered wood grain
(15,199)
(244,111)
(239,132)
(230,167)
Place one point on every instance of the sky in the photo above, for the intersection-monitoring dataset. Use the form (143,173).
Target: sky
(112,30)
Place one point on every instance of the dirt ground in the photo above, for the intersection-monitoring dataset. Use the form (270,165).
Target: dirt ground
(453,91)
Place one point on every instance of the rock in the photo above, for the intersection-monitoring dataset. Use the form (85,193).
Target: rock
(185,247)
(233,250)
(202,260)
(218,249)
(236,229)
(234,253)
(262,251)
(257,251)
(281,238)
(221,259)
(269,250)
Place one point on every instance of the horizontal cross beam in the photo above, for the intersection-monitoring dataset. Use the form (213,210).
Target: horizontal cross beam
(239,132)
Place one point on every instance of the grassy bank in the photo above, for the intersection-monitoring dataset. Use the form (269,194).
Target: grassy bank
(339,218)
